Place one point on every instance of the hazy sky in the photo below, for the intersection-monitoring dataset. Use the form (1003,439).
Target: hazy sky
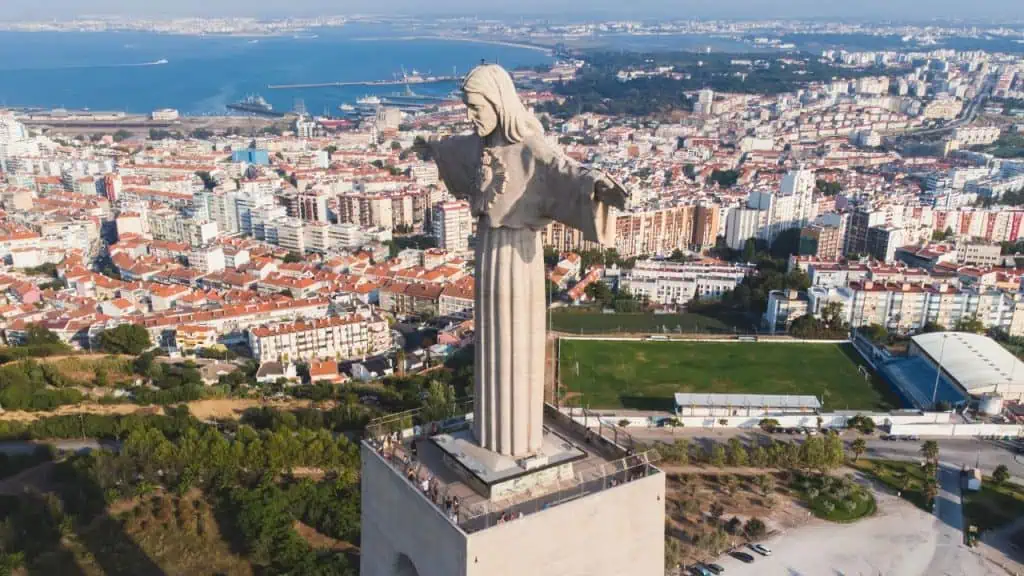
(917,10)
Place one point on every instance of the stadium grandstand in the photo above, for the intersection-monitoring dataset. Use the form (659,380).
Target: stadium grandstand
(690,404)
(952,368)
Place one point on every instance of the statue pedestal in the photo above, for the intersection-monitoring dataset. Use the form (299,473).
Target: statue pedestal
(495,476)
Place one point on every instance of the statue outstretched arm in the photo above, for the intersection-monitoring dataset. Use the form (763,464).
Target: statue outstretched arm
(457,159)
(581,197)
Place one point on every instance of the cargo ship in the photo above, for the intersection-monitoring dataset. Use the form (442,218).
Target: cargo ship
(255,105)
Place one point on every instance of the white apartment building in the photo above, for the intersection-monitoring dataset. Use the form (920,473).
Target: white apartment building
(742,224)
(672,283)
(905,307)
(979,254)
(207,258)
(452,225)
(337,337)
(169,225)
(976,135)
(784,306)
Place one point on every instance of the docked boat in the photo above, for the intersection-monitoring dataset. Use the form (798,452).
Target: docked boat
(255,104)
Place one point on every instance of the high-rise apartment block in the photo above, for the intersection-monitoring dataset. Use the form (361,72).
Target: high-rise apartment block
(452,224)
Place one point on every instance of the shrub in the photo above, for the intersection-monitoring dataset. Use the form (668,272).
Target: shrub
(755,529)
(1000,475)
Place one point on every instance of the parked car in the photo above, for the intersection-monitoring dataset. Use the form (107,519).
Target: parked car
(698,570)
(714,568)
(760,549)
(742,556)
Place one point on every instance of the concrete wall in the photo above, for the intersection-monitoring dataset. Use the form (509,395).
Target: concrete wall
(828,420)
(615,532)
(397,519)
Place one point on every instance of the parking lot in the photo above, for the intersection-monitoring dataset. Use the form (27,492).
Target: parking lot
(900,540)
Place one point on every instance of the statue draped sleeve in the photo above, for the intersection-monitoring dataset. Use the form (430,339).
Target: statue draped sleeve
(568,191)
(458,159)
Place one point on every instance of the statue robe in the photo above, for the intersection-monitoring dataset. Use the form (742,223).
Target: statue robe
(514,191)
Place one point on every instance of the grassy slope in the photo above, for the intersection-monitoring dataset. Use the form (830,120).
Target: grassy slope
(904,477)
(994,506)
(646,374)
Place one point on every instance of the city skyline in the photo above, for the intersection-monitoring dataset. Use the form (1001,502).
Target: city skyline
(905,10)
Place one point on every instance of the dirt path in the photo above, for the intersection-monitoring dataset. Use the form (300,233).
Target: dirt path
(321,541)
(215,409)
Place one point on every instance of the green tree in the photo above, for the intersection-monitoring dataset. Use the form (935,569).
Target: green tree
(930,451)
(122,135)
(439,403)
(600,293)
(931,489)
(292,258)
(736,454)
(1000,475)
(724,178)
(759,457)
(875,333)
(766,483)
(812,454)
(932,327)
(768,424)
(39,335)
(971,324)
(858,448)
(717,456)
(749,250)
(835,456)
(125,339)
(208,182)
(755,529)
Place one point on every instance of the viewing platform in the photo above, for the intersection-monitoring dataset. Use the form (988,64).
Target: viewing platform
(474,489)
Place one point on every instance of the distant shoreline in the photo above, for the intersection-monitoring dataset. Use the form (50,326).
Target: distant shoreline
(508,43)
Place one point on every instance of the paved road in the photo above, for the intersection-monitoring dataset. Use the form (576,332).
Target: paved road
(26,447)
(957,451)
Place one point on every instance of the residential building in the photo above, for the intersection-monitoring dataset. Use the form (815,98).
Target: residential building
(977,254)
(648,232)
(882,242)
(452,225)
(821,242)
(337,337)
(742,224)
(673,284)
(706,224)
(784,306)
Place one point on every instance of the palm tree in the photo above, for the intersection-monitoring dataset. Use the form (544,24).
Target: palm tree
(931,490)
(930,451)
(858,447)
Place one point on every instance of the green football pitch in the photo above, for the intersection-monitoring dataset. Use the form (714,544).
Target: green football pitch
(645,375)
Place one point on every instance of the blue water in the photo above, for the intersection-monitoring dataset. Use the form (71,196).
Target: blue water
(108,71)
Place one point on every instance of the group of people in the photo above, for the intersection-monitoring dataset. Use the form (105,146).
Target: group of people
(508,516)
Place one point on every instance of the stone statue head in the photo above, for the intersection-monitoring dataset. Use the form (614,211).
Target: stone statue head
(493,105)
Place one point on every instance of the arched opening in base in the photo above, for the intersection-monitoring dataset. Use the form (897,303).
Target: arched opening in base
(405,567)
